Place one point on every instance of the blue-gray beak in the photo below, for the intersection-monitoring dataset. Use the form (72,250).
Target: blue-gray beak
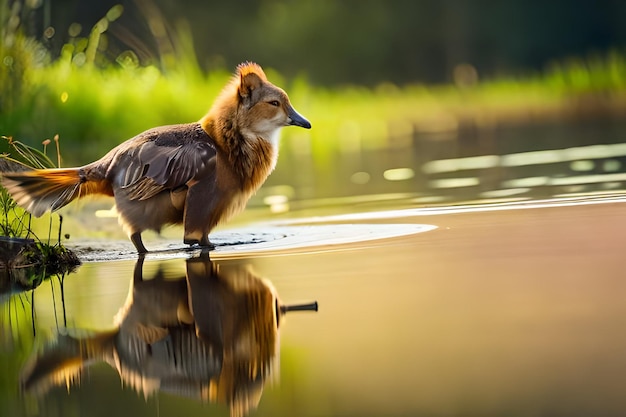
(295,119)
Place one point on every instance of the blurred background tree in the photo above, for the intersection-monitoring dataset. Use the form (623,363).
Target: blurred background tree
(339,42)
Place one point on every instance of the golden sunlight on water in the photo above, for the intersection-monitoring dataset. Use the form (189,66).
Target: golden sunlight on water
(496,313)
(516,310)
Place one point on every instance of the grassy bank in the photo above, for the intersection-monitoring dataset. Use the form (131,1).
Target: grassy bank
(31,250)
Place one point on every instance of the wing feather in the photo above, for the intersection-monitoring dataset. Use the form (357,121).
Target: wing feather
(167,161)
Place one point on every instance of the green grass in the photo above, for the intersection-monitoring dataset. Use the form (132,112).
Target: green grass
(94,105)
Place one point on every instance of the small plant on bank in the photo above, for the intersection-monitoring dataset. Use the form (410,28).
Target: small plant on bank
(26,260)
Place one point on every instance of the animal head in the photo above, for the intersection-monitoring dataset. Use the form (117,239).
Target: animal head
(256,107)
(263,107)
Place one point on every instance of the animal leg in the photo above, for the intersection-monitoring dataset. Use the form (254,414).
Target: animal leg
(136,239)
(205,242)
(199,214)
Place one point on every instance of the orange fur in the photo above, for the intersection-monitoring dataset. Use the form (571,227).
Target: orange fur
(50,189)
(246,68)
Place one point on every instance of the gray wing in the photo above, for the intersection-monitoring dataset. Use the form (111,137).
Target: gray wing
(170,160)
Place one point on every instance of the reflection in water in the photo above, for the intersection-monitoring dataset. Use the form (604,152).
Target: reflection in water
(23,265)
(210,335)
(458,160)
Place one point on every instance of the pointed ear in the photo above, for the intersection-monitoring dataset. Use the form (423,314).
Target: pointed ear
(251,76)
(248,83)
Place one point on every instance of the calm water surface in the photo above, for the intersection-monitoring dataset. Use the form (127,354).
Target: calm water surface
(508,309)
(500,311)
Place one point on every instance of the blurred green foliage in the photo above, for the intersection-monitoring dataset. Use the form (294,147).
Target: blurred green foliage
(94,100)
(338,42)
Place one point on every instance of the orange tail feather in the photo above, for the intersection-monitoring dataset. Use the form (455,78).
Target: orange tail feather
(41,190)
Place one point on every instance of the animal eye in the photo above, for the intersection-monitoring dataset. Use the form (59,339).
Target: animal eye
(274,103)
